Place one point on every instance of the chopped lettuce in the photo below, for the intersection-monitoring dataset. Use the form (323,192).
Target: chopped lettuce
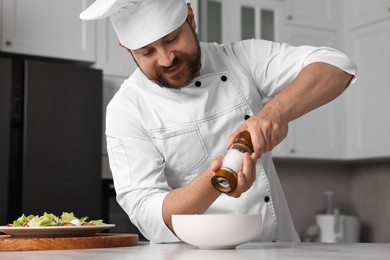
(67,217)
(23,219)
(47,219)
(83,219)
(97,222)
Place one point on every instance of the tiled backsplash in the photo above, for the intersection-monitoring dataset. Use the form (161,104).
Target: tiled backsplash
(362,189)
(370,197)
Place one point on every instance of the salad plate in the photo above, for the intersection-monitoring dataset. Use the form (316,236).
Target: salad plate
(54,231)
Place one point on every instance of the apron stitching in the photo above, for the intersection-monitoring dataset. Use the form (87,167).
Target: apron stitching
(245,101)
(161,130)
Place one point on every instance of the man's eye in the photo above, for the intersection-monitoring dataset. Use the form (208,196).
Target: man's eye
(147,53)
(172,39)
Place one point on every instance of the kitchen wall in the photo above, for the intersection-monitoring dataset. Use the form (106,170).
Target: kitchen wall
(361,189)
(370,193)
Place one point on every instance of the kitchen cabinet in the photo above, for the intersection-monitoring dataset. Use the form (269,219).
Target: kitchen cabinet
(348,127)
(297,35)
(47,28)
(368,101)
(214,15)
(313,13)
(256,19)
(318,134)
(260,19)
(363,12)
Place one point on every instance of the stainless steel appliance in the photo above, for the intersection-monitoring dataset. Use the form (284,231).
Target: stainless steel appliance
(50,137)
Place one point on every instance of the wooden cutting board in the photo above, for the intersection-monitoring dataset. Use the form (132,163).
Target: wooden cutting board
(8,243)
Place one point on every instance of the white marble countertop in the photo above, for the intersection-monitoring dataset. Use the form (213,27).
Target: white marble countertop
(176,251)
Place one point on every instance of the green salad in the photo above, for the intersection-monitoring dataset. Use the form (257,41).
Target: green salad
(49,219)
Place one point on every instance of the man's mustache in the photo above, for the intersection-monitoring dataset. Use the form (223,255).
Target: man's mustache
(176,61)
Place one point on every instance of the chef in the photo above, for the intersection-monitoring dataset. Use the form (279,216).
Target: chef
(173,119)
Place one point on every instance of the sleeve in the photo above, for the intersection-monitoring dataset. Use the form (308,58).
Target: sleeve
(274,65)
(138,172)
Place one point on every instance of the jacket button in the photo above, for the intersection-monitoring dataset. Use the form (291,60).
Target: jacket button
(247,117)
(223,78)
(198,84)
(266,199)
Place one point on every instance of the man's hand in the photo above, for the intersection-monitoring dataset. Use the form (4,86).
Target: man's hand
(245,178)
(267,128)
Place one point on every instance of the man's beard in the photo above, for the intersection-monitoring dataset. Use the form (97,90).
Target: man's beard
(192,64)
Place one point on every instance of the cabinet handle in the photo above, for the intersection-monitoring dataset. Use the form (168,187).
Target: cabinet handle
(8,43)
(290,17)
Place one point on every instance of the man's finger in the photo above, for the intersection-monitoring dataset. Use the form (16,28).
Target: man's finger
(216,163)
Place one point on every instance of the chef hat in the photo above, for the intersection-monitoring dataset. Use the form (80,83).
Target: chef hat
(138,23)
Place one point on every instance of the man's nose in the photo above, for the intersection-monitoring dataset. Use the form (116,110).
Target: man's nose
(165,58)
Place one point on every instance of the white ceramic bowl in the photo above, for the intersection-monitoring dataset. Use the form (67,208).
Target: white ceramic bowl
(219,231)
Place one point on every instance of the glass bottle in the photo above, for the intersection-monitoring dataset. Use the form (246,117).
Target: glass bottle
(225,179)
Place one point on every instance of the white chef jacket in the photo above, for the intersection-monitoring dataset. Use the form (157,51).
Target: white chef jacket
(159,139)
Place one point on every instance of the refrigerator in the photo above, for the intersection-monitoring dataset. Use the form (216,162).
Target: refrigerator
(50,138)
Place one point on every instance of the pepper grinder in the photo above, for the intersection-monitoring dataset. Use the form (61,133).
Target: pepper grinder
(225,179)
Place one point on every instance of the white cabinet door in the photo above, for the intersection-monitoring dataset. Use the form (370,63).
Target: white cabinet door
(214,25)
(369,100)
(313,13)
(235,20)
(259,19)
(48,28)
(317,134)
(113,59)
(361,12)
(297,35)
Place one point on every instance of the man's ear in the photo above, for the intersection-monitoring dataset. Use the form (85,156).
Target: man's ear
(191,17)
